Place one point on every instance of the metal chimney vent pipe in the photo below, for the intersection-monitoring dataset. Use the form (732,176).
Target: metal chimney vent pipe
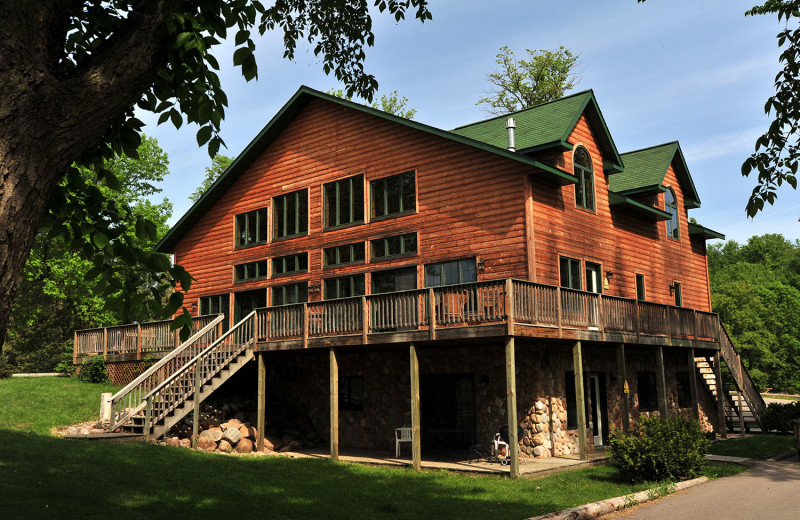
(510,126)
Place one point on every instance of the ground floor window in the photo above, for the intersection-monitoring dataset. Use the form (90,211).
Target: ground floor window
(646,389)
(351,393)
(684,390)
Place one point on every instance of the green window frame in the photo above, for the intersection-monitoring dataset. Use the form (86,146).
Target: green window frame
(397,245)
(570,273)
(343,202)
(250,271)
(216,304)
(344,254)
(344,286)
(290,214)
(450,273)
(289,294)
(584,188)
(641,293)
(251,227)
(671,207)
(393,195)
(297,263)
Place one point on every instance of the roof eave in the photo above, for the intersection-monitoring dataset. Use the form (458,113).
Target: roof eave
(706,233)
(619,200)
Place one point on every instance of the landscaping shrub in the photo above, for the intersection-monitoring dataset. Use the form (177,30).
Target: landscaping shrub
(778,416)
(94,370)
(657,450)
(5,369)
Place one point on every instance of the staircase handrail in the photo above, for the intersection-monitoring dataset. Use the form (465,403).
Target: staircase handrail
(119,417)
(193,364)
(743,379)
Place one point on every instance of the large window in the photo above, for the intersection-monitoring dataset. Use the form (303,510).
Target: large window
(290,214)
(344,286)
(671,207)
(290,264)
(394,246)
(291,293)
(342,255)
(250,271)
(584,188)
(393,195)
(646,387)
(344,201)
(570,273)
(251,227)
(449,273)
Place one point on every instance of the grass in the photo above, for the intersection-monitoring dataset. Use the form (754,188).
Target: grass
(783,397)
(762,446)
(45,476)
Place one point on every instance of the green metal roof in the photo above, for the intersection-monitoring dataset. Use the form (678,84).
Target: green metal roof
(649,212)
(284,117)
(646,169)
(547,126)
(708,234)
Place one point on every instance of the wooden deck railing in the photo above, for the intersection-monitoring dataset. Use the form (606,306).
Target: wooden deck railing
(481,303)
(136,338)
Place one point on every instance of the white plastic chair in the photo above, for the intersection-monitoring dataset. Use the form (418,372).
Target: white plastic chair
(400,435)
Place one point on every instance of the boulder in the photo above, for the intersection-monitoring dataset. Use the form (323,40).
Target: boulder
(214,434)
(225,446)
(245,445)
(272,443)
(186,443)
(232,423)
(174,442)
(206,443)
(247,431)
(232,435)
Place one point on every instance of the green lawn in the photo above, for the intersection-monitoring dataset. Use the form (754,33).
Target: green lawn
(761,447)
(44,476)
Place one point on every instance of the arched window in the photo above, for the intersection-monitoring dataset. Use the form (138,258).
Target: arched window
(584,189)
(671,207)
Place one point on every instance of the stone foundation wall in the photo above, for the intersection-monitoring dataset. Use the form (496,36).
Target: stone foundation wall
(300,383)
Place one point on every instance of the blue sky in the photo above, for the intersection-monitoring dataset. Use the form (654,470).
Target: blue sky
(696,71)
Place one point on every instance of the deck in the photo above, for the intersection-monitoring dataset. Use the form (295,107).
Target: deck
(491,309)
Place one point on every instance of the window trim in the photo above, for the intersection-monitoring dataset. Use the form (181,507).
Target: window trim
(276,274)
(275,236)
(375,218)
(672,209)
(388,256)
(236,234)
(337,183)
(338,263)
(582,180)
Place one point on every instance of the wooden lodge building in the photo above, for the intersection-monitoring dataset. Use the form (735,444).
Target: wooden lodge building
(384,273)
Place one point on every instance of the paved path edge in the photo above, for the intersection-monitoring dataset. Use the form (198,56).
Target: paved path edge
(595,509)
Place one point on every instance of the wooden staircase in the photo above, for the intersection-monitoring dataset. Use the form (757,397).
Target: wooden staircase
(742,402)
(183,385)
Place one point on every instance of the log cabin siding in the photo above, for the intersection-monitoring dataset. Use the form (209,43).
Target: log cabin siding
(469,202)
(621,242)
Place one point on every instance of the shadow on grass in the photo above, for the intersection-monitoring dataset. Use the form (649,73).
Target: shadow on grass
(43,476)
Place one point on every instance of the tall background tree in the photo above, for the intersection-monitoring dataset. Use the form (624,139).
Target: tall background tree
(218,166)
(755,288)
(57,295)
(522,83)
(71,75)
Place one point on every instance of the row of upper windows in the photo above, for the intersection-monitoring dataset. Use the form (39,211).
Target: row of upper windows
(584,190)
(570,277)
(390,280)
(380,248)
(343,204)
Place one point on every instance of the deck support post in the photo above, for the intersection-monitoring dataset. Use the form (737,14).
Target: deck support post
(723,430)
(661,384)
(364,320)
(511,398)
(624,388)
(431,314)
(262,402)
(580,400)
(334,366)
(739,398)
(138,341)
(148,417)
(416,438)
(75,349)
(196,407)
(509,307)
(693,385)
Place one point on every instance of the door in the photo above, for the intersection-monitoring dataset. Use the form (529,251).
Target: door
(248,301)
(598,421)
(595,285)
(447,411)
